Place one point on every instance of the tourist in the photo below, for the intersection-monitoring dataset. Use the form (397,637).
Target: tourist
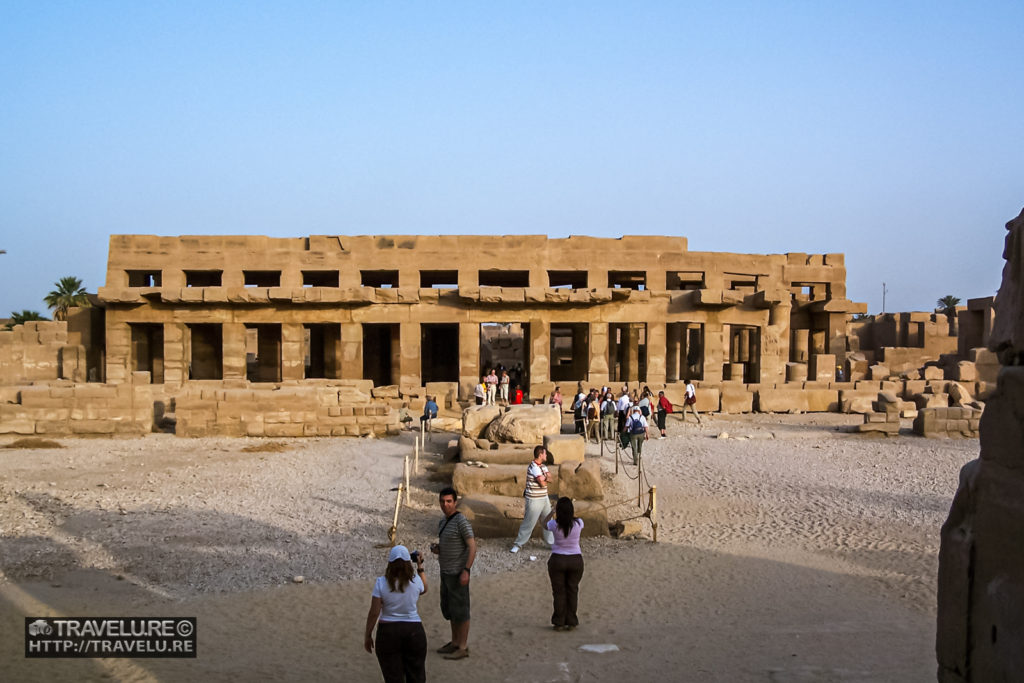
(578,416)
(491,381)
(608,410)
(565,565)
(593,419)
(645,402)
(429,409)
(622,408)
(456,551)
(517,396)
(503,385)
(664,408)
(556,399)
(536,496)
(636,427)
(404,418)
(401,640)
(690,401)
(480,392)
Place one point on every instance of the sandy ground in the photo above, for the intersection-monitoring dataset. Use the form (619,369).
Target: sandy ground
(789,551)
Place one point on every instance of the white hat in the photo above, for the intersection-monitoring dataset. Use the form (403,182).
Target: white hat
(399,552)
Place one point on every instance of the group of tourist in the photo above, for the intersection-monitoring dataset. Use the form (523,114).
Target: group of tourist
(598,415)
(496,386)
(429,412)
(401,643)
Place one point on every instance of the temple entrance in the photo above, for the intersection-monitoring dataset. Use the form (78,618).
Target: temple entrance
(684,351)
(147,352)
(744,354)
(439,352)
(380,353)
(263,353)
(503,345)
(570,351)
(322,344)
(206,351)
(627,352)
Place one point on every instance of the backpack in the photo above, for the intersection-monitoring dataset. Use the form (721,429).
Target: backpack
(592,411)
(636,426)
(609,408)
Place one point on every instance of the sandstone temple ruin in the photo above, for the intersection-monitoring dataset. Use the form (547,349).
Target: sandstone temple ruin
(205,325)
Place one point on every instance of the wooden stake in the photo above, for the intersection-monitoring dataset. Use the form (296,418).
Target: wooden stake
(416,454)
(407,480)
(393,532)
(654,512)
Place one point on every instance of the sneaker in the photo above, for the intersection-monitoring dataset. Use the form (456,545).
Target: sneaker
(447,648)
(458,654)
(514,550)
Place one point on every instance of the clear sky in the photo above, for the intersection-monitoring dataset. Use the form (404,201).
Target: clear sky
(890,131)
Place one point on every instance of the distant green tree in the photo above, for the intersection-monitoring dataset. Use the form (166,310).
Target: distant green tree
(69,292)
(23,317)
(948,304)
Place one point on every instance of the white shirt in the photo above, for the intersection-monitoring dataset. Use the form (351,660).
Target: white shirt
(690,391)
(623,403)
(398,606)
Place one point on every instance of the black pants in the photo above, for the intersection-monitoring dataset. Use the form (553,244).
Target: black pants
(565,572)
(661,418)
(402,651)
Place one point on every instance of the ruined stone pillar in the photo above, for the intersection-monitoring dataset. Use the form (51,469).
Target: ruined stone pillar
(469,354)
(715,349)
(801,345)
(774,346)
(119,344)
(656,353)
(409,360)
(234,350)
(293,352)
(540,350)
(175,354)
(351,351)
(743,353)
(598,374)
(672,352)
(837,335)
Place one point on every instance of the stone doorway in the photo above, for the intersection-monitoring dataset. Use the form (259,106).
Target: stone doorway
(504,345)
(380,353)
(322,345)
(206,351)
(263,353)
(439,352)
(627,352)
(570,352)
(147,353)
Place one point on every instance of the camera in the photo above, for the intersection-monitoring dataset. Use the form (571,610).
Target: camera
(415,556)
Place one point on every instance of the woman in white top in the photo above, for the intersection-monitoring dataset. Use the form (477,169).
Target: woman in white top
(401,640)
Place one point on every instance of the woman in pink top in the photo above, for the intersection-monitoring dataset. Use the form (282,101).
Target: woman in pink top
(565,566)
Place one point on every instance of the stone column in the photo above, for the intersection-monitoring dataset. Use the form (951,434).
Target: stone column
(293,353)
(836,344)
(119,348)
(351,351)
(175,355)
(656,350)
(673,347)
(715,350)
(234,350)
(540,352)
(801,346)
(409,361)
(469,354)
(598,362)
(631,354)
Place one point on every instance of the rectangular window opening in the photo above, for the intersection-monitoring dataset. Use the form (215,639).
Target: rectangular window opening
(144,278)
(627,279)
(202,278)
(504,278)
(262,278)
(684,279)
(567,279)
(439,279)
(319,278)
(381,279)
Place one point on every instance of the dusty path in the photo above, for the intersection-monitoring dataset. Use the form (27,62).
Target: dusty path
(788,552)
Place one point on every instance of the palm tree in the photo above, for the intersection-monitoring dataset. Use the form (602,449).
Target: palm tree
(69,292)
(948,304)
(22,318)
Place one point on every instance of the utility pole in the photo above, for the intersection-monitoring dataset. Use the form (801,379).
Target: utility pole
(883,297)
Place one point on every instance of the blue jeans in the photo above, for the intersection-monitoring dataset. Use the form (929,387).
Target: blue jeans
(536,510)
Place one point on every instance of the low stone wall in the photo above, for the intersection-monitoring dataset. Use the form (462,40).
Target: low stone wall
(277,410)
(39,351)
(950,422)
(61,408)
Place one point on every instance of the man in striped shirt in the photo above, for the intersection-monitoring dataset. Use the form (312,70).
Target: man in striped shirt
(456,551)
(536,495)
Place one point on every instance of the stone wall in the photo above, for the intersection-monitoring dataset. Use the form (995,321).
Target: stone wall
(61,408)
(36,351)
(275,410)
(949,421)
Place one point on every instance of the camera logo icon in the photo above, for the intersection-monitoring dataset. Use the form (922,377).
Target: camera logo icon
(40,627)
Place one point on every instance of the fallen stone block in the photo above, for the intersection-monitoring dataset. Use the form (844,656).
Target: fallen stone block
(497,480)
(475,420)
(524,424)
(580,480)
(564,448)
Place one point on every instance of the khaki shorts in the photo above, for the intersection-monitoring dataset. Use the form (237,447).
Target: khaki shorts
(454,598)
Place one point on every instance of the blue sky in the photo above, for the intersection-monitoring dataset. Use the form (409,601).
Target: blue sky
(892,132)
